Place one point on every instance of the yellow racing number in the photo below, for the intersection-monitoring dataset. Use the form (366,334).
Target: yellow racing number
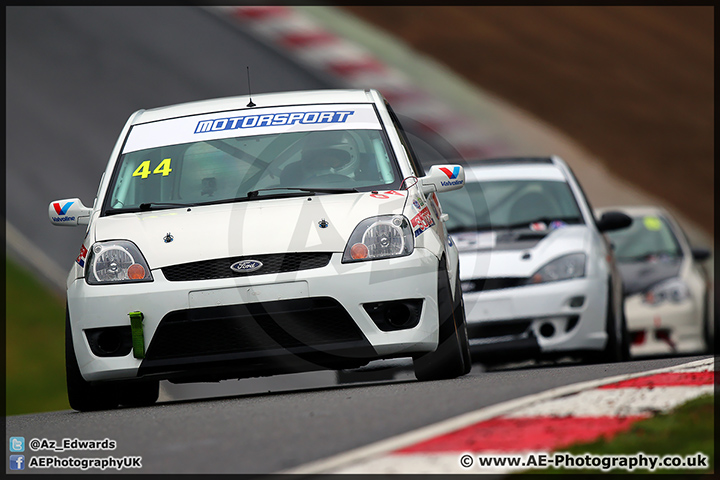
(143,170)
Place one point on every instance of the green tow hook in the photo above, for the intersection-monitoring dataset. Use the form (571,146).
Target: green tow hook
(138,340)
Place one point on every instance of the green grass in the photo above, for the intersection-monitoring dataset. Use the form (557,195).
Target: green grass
(34,345)
(687,430)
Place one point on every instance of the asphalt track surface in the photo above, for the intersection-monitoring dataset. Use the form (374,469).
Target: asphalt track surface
(74,75)
(272,432)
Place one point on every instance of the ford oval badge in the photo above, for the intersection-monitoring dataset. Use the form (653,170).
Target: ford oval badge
(246,266)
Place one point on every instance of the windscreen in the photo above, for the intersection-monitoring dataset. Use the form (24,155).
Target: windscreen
(233,156)
(495,205)
(648,237)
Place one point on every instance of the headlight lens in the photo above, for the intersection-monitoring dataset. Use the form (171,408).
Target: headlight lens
(673,290)
(374,238)
(563,268)
(118,261)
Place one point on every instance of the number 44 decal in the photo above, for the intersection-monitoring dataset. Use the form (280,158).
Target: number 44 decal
(143,170)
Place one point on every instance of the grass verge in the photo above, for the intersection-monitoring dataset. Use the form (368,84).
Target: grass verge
(685,431)
(34,345)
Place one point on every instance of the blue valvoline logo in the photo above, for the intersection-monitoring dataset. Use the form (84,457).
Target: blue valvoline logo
(246,266)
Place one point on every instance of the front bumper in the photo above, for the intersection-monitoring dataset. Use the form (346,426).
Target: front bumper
(348,285)
(668,328)
(538,318)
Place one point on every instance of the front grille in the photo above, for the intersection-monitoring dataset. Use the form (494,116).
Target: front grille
(220,268)
(483,284)
(253,327)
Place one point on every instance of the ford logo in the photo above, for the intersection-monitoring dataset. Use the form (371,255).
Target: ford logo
(246,266)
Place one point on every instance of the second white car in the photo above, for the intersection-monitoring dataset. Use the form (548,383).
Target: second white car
(538,277)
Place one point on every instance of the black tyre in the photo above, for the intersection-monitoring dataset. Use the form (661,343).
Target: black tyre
(82,395)
(708,336)
(451,358)
(139,394)
(617,348)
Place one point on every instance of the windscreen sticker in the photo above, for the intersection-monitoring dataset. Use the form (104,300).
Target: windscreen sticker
(652,223)
(143,170)
(248,122)
(422,221)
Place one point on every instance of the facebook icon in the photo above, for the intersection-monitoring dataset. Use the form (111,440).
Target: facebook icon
(17,462)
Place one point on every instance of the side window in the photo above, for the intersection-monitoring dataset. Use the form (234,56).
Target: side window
(416,166)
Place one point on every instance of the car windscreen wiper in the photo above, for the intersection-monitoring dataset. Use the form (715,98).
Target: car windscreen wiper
(149,206)
(546,220)
(254,193)
(469,228)
(144,207)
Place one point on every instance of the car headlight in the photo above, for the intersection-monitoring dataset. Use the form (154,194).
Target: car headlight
(117,261)
(380,237)
(563,268)
(674,290)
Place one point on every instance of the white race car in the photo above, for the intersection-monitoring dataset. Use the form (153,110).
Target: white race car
(538,276)
(236,238)
(669,298)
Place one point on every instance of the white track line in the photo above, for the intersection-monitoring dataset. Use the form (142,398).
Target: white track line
(335,462)
(34,256)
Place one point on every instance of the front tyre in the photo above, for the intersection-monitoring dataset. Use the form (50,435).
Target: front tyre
(451,359)
(139,394)
(617,348)
(83,396)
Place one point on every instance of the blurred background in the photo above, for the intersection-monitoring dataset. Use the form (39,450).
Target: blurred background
(632,85)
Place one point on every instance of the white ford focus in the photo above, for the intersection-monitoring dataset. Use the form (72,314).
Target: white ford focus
(538,276)
(233,239)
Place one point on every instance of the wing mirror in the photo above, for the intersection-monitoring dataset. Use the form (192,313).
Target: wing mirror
(700,254)
(613,221)
(69,212)
(443,178)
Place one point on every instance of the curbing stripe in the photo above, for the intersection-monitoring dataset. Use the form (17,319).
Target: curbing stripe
(346,459)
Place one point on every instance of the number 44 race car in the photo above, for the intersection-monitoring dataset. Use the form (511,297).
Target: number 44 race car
(232,239)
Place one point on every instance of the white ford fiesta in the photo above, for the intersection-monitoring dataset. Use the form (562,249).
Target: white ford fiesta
(538,276)
(235,238)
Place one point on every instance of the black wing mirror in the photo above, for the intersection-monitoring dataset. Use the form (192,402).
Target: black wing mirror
(700,254)
(613,221)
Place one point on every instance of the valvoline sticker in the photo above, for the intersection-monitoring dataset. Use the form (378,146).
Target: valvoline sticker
(62,210)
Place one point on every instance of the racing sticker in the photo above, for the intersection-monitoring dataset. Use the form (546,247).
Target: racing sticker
(555,224)
(538,226)
(422,221)
(81,258)
(418,203)
(434,204)
(250,122)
